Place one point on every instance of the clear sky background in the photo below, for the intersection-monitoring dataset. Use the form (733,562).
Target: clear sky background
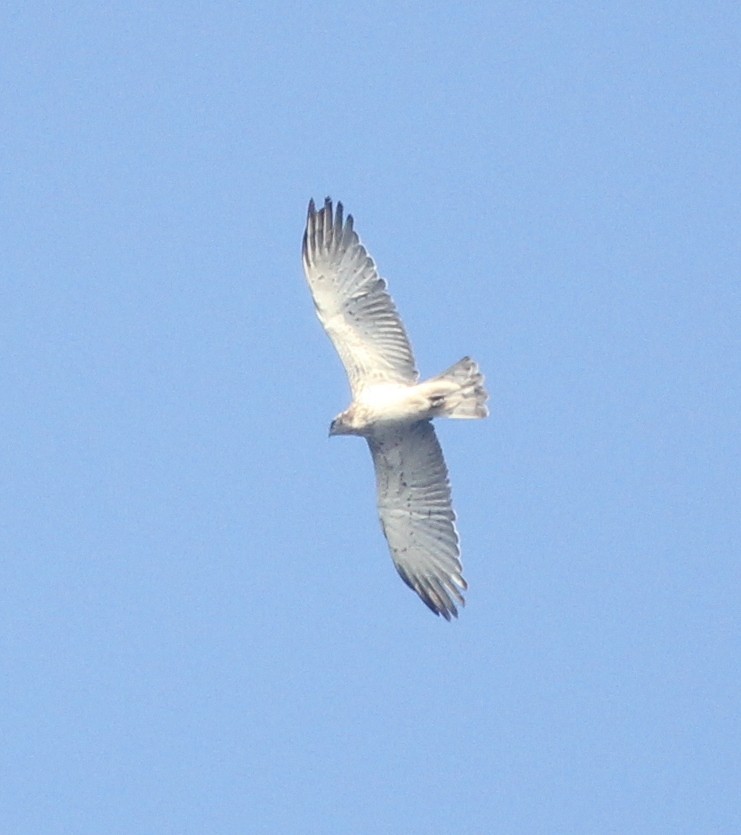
(201,629)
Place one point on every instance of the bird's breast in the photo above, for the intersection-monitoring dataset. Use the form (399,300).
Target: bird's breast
(392,403)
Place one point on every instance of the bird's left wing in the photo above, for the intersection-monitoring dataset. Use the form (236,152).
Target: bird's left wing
(416,513)
(352,302)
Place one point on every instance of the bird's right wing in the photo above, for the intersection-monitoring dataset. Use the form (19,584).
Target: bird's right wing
(416,513)
(352,302)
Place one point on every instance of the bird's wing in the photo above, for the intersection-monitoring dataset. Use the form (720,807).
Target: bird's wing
(416,514)
(352,303)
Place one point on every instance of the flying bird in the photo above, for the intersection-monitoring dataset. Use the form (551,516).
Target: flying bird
(391,409)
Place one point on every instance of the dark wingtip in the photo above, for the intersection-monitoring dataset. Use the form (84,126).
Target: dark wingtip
(329,211)
(438,605)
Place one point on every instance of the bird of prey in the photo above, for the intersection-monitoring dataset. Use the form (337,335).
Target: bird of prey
(391,409)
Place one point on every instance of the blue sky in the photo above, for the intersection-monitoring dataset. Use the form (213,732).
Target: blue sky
(201,630)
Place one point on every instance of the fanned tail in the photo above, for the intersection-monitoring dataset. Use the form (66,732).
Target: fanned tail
(459,392)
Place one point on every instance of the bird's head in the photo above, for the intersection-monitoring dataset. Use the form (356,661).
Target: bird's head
(340,425)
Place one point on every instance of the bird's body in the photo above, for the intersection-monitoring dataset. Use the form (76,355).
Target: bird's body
(391,409)
(380,405)
(376,405)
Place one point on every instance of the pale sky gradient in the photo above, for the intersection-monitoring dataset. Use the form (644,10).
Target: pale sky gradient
(201,630)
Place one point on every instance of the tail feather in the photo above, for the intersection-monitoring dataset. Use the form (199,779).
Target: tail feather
(459,392)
